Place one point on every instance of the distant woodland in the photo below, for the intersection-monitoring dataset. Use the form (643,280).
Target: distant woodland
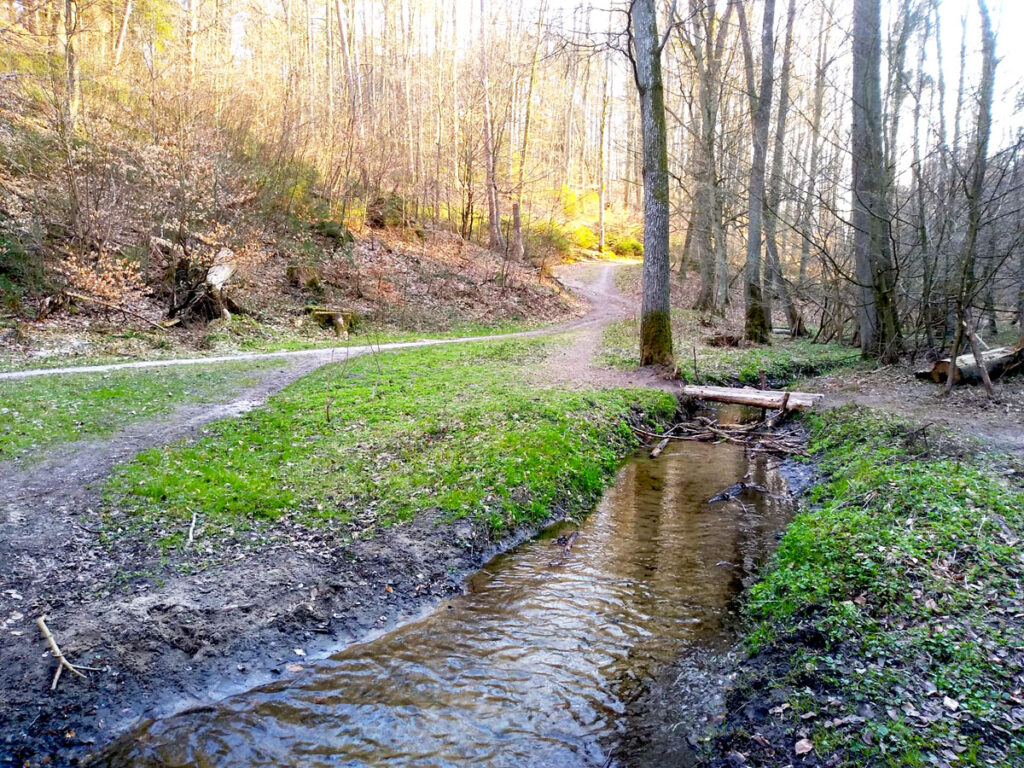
(853,171)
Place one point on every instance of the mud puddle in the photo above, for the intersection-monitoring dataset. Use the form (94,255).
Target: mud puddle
(602,653)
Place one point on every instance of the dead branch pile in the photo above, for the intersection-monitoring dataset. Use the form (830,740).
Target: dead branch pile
(756,436)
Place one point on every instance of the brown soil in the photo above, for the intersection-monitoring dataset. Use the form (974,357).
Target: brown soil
(164,641)
(996,422)
(573,364)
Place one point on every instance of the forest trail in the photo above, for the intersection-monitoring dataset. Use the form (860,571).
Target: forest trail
(593,281)
(37,498)
(997,423)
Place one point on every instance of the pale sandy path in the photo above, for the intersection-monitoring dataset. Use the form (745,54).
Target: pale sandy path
(595,282)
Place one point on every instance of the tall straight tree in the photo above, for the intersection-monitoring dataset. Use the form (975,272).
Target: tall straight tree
(773,264)
(757,324)
(495,238)
(655,318)
(973,183)
(707,45)
(878,322)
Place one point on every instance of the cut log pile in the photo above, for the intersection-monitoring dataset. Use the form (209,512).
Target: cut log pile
(999,362)
(758,398)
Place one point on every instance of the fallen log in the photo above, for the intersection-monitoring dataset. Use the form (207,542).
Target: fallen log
(999,362)
(758,398)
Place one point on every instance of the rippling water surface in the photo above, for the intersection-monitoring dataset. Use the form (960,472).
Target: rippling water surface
(548,660)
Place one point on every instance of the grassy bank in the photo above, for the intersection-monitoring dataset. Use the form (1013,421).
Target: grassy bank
(40,412)
(889,630)
(451,431)
(783,361)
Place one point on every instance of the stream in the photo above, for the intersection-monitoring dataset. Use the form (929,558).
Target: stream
(605,654)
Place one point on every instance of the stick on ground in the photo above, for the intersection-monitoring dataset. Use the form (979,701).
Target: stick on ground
(62,662)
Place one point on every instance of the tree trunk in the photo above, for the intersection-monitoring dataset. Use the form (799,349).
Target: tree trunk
(757,324)
(495,238)
(72,80)
(123,34)
(808,219)
(704,232)
(655,318)
(773,264)
(878,322)
(601,159)
(974,187)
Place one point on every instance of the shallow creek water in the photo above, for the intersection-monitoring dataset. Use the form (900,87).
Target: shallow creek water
(598,657)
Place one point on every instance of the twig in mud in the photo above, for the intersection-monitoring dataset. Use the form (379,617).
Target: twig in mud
(566,548)
(62,662)
(192,528)
(659,448)
(569,542)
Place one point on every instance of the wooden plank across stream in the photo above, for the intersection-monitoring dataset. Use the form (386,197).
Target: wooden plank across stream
(758,398)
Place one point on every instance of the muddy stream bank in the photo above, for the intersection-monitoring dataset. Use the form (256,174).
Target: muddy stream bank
(609,652)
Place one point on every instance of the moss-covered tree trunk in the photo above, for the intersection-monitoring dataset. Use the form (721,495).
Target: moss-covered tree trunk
(655,321)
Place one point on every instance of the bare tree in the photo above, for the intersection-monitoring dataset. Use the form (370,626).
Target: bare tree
(969,286)
(495,239)
(879,325)
(757,323)
(773,265)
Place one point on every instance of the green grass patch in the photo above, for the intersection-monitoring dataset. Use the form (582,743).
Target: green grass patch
(45,410)
(783,361)
(452,430)
(907,572)
(264,340)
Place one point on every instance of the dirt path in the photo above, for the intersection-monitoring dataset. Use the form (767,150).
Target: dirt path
(996,423)
(189,638)
(574,365)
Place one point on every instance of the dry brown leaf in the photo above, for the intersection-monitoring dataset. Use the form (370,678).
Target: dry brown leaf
(803,746)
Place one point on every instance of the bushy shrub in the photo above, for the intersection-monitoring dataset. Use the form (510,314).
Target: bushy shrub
(334,230)
(544,242)
(20,272)
(584,237)
(625,245)
(386,211)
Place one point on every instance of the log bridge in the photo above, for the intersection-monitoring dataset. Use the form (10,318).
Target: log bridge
(758,398)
